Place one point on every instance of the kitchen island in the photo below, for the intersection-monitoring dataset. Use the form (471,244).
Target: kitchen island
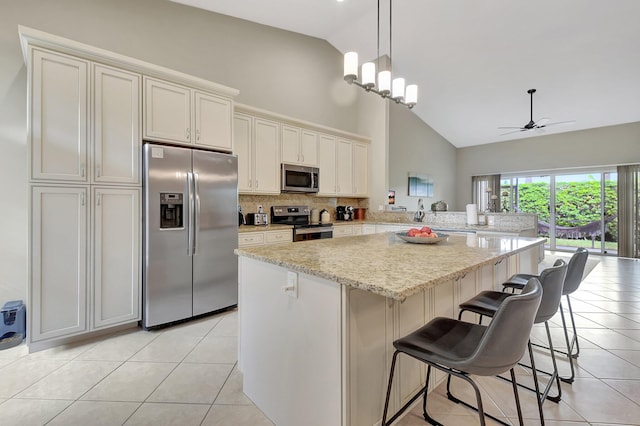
(317,319)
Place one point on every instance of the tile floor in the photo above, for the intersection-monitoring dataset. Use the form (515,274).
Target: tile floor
(187,375)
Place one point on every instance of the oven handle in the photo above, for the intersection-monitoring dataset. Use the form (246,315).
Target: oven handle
(303,231)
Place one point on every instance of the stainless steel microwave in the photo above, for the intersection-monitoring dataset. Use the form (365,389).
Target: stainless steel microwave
(299,178)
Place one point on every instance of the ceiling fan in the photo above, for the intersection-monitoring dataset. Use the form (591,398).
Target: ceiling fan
(534,125)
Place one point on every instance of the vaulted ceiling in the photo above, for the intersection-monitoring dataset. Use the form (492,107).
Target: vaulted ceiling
(475,60)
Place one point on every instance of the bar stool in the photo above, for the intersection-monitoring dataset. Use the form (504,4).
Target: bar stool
(460,348)
(575,270)
(487,303)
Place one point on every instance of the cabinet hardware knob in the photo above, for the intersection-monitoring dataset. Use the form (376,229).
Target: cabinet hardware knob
(98,171)
(188,133)
(98,196)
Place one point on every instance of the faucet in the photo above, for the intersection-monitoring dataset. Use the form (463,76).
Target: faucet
(419,214)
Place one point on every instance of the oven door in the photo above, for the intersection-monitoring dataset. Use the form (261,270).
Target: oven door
(307,234)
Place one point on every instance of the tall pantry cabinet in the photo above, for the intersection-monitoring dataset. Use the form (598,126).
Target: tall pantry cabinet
(85,186)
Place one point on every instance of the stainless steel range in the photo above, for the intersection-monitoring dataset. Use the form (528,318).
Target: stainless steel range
(298,217)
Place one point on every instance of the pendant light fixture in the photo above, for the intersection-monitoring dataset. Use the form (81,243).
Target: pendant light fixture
(394,90)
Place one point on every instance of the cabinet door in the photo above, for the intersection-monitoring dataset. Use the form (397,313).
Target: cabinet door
(242,142)
(290,145)
(309,148)
(327,165)
(360,169)
(167,112)
(116,256)
(344,167)
(116,131)
(58,262)
(266,159)
(59,118)
(213,121)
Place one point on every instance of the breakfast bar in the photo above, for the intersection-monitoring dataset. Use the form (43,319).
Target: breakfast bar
(317,319)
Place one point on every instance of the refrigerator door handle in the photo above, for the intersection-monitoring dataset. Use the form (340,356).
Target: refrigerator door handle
(189,228)
(196,222)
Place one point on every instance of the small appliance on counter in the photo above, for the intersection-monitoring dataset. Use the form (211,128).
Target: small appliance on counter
(257,219)
(359,213)
(325,217)
(241,220)
(315,216)
(439,206)
(344,213)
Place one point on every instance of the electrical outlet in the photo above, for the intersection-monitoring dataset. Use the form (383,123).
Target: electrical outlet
(292,284)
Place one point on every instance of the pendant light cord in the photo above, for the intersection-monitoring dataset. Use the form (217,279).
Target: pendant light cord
(390,41)
(378,51)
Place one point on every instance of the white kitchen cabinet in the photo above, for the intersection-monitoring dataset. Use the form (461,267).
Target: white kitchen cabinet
(167,112)
(327,165)
(260,238)
(117,275)
(360,169)
(213,121)
(343,231)
(58,267)
(116,126)
(344,167)
(179,114)
(58,117)
(256,145)
(299,146)
(368,229)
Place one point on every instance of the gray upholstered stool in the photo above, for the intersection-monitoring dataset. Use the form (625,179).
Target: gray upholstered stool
(575,270)
(460,348)
(487,303)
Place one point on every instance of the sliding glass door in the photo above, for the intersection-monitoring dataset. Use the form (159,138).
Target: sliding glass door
(574,209)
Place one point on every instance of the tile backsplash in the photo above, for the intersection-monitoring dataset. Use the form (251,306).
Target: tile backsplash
(250,203)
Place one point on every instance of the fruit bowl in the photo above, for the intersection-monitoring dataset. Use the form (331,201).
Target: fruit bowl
(422,240)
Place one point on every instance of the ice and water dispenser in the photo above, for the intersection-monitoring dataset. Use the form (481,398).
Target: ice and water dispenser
(171,210)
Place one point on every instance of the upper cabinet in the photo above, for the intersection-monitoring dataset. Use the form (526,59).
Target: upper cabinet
(344,167)
(256,145)
(178,114)
(299,146)
(116,126)
(59,117)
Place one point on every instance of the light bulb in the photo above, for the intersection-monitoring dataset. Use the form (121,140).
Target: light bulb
(384,82)
(369,74)
(398,88)
(351,66)
(411,95)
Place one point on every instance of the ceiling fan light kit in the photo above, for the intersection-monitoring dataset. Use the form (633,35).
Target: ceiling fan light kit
(394,90)
(534,125)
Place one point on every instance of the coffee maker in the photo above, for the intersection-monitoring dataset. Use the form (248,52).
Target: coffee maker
(344,213)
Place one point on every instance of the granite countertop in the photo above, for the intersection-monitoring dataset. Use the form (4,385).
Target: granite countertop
(262,228)
(452,227)
(385,265)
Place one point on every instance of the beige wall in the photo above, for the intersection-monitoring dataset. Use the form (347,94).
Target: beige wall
(416,147)
(276,70)
(603,146)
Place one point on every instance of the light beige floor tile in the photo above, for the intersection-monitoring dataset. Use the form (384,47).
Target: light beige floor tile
(95,413)
(630,356)
(614,321)
(608,339)
(192,383)
(235,415)
(628,388)
(14,352)
(581,307)
(633,334)
(30,412)
(616,307)
(119,347)
(231,392)
(194,328)
(168,347)
(415,418)
(228,325)
(605,365)
(157,414)
(215,349)
(132,381)
(65,352)
(70,381)
(25,372)
(597,402)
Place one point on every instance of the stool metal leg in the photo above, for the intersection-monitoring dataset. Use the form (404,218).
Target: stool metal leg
(574,339)
(408,404)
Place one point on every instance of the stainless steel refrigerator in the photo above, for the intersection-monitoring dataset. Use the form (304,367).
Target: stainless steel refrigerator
(190,233)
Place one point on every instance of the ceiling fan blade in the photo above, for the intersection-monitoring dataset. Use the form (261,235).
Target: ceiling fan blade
(557,123)
(518,127)
(515,131)
(543,121)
